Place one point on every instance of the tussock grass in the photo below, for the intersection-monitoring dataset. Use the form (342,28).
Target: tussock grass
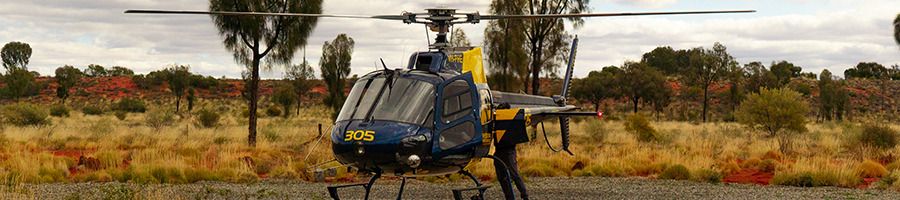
(157,147)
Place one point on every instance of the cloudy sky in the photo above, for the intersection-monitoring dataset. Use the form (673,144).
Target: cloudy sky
(816,34)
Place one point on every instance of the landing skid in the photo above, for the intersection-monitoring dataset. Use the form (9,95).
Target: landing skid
(333,190)
(457,193)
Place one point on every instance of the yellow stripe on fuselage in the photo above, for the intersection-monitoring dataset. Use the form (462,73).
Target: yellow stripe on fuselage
(472,62)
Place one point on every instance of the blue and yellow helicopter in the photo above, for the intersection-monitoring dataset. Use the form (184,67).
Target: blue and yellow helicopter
(438,115)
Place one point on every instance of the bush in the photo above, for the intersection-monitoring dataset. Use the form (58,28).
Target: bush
(130,105)
(803,179)
(640,126)
(158,119)
(871,169)
(92,110)
(707,175)
(121,115)
(676,172)
(597,131)
(816,179)
(24,114)
(273,111)
(776,111)
(208,118)
(879,136)
(59,110)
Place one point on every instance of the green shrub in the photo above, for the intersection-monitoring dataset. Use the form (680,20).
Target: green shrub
(597,131)
(802,179)
(639,125)
(59,110)
(92,110)
(208,118)
(817,179)
(676,172)
(121,115)
(130,105)
(24,114)
(778,112)
(707,175)
(159,118)
(273,111)
(878,136)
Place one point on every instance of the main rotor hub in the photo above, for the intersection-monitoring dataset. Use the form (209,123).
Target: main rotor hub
(441,20)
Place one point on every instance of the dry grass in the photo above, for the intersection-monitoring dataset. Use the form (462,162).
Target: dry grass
(131,151)
(826,155)
(184,152)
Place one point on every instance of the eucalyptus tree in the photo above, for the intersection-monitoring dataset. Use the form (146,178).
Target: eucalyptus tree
(257,41)
(505,48)
(335,67)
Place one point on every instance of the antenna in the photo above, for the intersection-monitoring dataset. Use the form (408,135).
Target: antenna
(382,63)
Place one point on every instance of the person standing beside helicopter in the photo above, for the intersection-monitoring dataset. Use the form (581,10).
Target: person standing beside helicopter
(507,169)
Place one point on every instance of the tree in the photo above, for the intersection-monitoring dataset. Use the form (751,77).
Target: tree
(66,77)
(640,82)
(15,55)
(300,76)
(784,71)
(833,97)
(285,97)
(664,59)
(897,29)
(94,70)
(736,80)
(335,67)
(505,48)
(598,86)
(179,80)
(868,70)
(257,39)
(759,77)
(660,95)
(459,39)
(19,83)
(548,37)
(707,67)
(778,112)
(120,71)
(191,98)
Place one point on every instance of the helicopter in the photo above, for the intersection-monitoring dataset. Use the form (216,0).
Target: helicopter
(437,115)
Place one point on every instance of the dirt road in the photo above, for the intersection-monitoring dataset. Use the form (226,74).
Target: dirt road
(539,188)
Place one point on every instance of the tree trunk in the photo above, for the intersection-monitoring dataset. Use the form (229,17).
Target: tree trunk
(597,106)
(254,98)
(705,101)
(299,99)
(177,104)
(635,100)
(536,53)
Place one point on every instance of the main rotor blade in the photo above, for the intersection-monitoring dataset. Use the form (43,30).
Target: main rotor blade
(496,17)
(231,13)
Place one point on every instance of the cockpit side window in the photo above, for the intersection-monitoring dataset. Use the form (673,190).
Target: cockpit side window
(457,101)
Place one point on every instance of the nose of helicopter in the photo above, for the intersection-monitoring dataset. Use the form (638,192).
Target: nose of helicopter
(380,145)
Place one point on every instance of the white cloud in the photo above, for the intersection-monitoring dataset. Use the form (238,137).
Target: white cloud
(646,3)
(81,32)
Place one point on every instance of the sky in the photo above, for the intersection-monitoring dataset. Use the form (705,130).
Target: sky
(814,34)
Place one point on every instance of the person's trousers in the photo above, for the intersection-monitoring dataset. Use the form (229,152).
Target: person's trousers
(508,156)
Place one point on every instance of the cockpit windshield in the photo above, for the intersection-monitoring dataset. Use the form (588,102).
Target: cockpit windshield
(391,99)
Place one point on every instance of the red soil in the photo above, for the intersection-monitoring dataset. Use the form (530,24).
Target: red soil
(867,182)
(749,176)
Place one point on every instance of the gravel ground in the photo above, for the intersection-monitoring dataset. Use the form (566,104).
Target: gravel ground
(539,188)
